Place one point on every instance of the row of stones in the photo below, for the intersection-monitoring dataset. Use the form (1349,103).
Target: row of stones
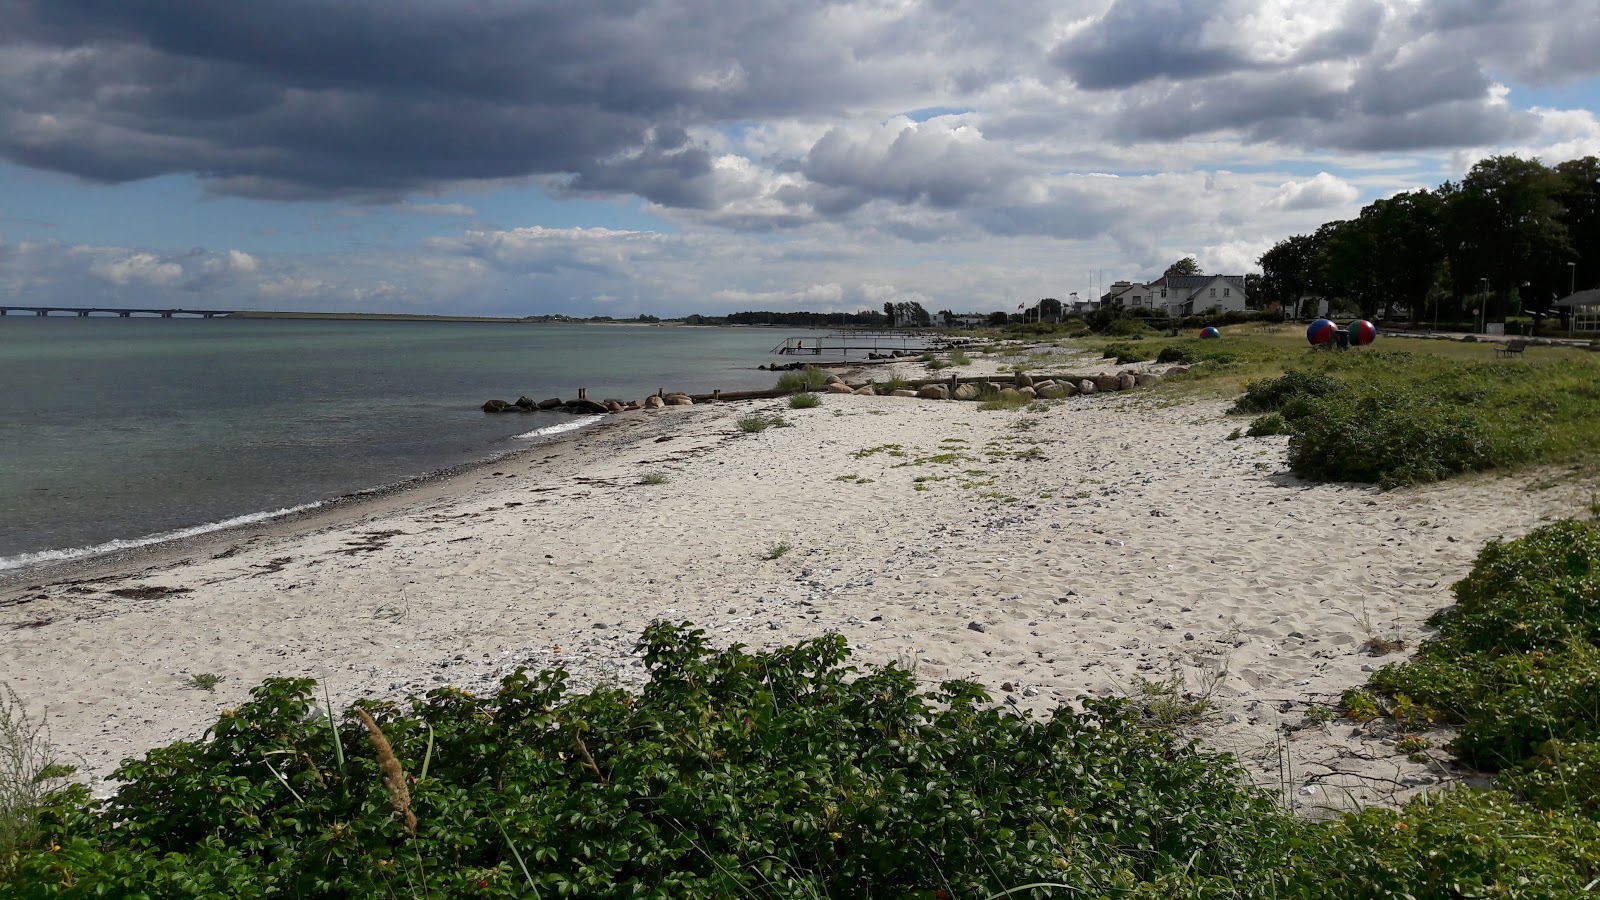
(1025,387)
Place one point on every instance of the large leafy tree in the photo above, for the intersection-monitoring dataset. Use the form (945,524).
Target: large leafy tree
(1579,196)
(1509,226)
(1288,270)
(1185,266)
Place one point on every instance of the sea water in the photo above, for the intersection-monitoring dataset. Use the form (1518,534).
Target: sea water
(121,432)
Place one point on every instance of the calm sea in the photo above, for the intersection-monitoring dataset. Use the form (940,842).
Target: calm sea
(123,431)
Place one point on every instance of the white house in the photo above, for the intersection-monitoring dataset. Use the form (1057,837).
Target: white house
(1182,295)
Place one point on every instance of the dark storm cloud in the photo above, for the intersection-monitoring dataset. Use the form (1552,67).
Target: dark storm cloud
(1372,82)
(309,98)
(1139,40)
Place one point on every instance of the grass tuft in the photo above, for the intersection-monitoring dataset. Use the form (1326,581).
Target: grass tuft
(204,681)
(809,378)
(804,401)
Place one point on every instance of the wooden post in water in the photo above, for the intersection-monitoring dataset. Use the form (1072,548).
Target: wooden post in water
(583,393)
(716,395)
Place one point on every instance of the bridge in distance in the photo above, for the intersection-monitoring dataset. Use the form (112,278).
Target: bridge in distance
(84,312)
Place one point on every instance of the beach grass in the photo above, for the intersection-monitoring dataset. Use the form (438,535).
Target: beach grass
(758,422)
(809,378)
(27,775)
(653,478)
(804,401)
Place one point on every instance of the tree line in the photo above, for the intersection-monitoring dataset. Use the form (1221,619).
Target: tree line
(1513,236)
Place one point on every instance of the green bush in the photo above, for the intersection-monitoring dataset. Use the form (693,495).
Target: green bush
(1269,424)
(1272,394)
(1455,844)
(1175,353)
(1125,353)
(1562,775)
(730,774)
(1129,328)
(804,401)
(1516,660)
(1392,441)
(809,378)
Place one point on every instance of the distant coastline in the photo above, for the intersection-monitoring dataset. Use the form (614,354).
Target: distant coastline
(379,317)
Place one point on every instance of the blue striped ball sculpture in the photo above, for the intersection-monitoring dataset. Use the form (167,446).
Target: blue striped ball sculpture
(1321,332)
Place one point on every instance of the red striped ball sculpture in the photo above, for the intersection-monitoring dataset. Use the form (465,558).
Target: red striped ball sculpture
(1321,332)
(1210,332)
(1362,333)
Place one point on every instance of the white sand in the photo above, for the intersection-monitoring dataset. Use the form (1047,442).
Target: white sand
(1140,543)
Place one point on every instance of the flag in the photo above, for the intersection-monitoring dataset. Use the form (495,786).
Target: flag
(1021,306)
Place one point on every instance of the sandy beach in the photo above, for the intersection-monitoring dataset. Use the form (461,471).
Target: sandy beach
(1045,554)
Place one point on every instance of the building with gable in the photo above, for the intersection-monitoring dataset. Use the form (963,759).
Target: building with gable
(1182,295)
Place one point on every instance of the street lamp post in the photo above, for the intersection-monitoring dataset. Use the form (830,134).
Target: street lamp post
(1483,305)
(1572,288)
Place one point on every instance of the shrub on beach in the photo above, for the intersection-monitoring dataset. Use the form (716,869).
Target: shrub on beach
(809,378)
(1273,394)
(1125,353)
(1516,661)
(804,401)
(731,773)
(1127,328)
(782,773)
(1394,440)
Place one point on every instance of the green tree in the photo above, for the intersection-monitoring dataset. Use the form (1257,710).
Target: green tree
(1288,271)
(1185,266)
(1508,226)
(1579,196)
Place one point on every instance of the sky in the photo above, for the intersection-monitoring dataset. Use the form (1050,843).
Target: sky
(619,157)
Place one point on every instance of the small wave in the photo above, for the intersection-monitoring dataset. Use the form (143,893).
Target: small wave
(548,430)
(49,556)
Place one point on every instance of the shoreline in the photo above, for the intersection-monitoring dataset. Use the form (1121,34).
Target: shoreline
(329,512)
(1097,545)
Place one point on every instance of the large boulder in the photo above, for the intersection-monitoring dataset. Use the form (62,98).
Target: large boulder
(933,392)
(839,387)
(1086,387)
(903,394)
(867,390)
(1028,392)
(495,405)
(1062,389)
(654,402)
(1023,380)
(679,400)
(1040,387)
(1010,393)
(1178,370)
(587,406)
(524,403)
(552,403)
(1103,383)
(834,379)
(1127,382)
(1146,379)
(966,392)
(615,406)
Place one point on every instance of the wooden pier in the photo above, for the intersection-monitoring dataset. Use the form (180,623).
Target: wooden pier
(866,342)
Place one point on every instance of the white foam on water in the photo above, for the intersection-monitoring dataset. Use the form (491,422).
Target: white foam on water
(548,430)
(24,560)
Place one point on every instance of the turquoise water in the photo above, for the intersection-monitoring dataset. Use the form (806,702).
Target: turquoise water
(118,430)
